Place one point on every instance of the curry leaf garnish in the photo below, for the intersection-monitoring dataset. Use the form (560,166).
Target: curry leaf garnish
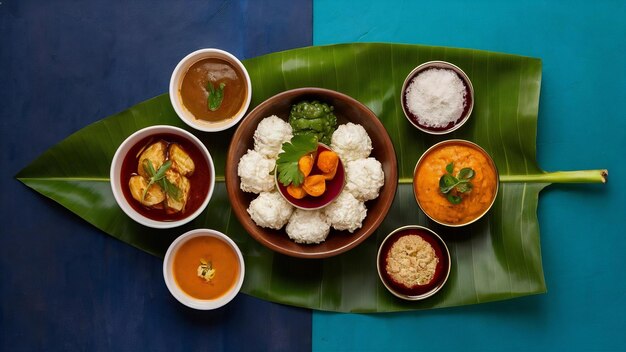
(453,186)
(214,100)
(287,163)
(159,178)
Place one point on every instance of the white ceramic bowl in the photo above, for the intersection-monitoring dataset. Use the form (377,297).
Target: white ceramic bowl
(116,175)
(182,297)
(178,75)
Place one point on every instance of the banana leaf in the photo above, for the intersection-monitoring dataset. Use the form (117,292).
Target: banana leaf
(498,257)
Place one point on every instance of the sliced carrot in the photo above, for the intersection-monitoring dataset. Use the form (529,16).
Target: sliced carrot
(327,161)
(314,185)
(296,191)
(305,164)
(330,175)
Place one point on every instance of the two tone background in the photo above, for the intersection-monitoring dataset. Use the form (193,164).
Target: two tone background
(64,285)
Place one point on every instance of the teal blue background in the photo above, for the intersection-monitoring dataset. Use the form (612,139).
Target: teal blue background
(581,126)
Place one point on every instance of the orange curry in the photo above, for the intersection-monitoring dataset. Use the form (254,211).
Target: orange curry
(474,203)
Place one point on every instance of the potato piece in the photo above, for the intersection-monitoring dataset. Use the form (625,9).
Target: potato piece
(175,205)
(181,161)
(154,195)
(156,154)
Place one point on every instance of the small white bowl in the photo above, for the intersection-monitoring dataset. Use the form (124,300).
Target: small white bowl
(179,73)
(177,292)
(116,175)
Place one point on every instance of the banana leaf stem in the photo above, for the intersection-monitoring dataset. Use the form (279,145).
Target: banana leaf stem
(583,176)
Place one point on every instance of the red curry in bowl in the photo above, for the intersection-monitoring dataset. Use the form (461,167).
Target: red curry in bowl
(199,180)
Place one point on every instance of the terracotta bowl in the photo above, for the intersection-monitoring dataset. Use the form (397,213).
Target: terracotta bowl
(347,110)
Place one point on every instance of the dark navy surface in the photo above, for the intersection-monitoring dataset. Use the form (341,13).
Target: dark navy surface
(65,285)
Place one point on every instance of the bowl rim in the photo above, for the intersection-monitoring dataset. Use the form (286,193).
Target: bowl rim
(118,159)
(445,65)
(434,289)
(177,75)
(178,293)
(323,205)
(467,143)
(391,178)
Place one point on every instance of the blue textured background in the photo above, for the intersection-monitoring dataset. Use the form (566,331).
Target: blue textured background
(64,285)
(582,125)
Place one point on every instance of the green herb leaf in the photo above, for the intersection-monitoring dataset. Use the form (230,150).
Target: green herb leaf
(450,168)
(464,187)
(454,199)
(447,182)
(466,173)
(216,96)
(161,173)
(159,178)
(287,163)
(461,183)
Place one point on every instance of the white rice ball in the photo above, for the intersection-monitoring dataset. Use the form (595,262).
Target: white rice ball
(308,226)
(346,212)
(270,210)
(270,135)
(254,170)
(364,178)
(351,142)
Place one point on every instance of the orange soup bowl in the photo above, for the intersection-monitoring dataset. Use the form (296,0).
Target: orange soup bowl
(203,269)
(469,196)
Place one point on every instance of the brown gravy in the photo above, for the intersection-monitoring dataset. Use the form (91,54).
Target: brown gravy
(194,92)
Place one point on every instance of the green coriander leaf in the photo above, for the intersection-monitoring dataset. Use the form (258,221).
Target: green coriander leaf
(287,163)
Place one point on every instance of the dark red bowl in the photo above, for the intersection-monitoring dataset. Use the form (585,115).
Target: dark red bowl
(347,110)
(333,187)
